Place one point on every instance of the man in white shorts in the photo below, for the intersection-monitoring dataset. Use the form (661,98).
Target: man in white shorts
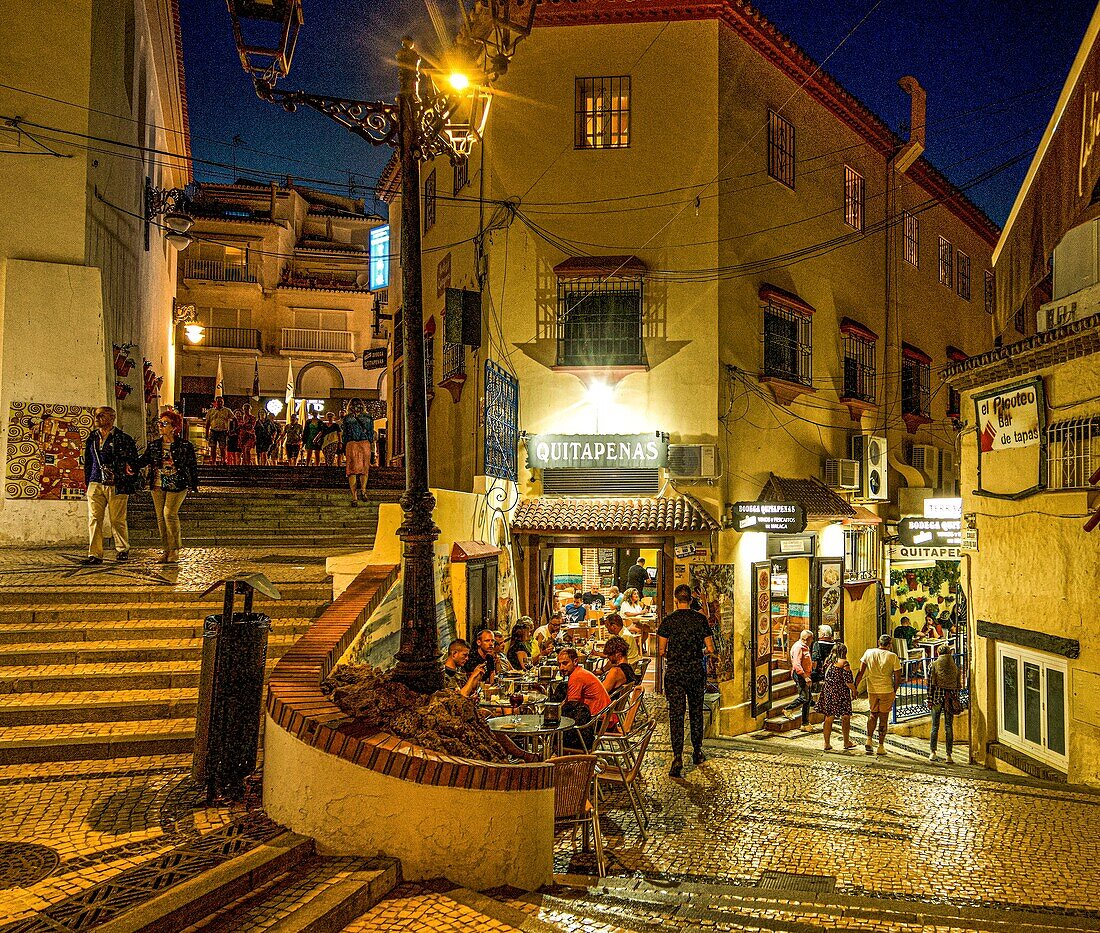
(882,669)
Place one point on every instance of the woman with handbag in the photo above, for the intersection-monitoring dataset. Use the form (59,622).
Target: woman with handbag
(174,470)
(944,682)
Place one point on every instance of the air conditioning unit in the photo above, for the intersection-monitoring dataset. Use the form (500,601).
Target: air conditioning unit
(870,453)
(926,458)
(948,474)
(842,474)
(692,461)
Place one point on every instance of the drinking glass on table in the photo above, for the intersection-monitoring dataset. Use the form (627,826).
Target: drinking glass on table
(517,702)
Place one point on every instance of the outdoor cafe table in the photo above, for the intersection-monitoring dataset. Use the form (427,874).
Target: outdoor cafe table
(545,741)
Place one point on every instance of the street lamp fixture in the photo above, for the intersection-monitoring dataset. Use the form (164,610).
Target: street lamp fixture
(423,122)
(187,316)
(173,204)
(264,55)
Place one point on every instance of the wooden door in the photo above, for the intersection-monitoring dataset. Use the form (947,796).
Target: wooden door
(761,641)
(475,599)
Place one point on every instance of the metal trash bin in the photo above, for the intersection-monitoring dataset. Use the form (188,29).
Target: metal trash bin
(231,685)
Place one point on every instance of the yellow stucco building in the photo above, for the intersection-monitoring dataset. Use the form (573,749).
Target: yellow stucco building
(85,300)
(684,233)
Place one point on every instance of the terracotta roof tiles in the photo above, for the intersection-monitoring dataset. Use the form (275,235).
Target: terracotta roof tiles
(819,501)
(614,516)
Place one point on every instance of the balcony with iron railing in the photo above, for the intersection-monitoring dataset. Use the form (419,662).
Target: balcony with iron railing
(342,280)
(219,270)
(231,338)
(310,340)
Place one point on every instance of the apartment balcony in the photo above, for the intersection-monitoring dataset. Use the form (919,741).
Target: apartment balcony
(219,270)
(244,339)
(328,280)
(299,341)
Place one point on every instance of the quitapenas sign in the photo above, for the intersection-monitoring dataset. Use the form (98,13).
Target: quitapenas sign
(596,451)
(786,518)
(930,532)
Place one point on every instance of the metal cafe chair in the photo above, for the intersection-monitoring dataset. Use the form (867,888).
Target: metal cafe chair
(623,757)
(576,803)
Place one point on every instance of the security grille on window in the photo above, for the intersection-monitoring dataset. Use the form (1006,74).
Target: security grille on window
(853,198)
(780,149)
(602,113)
(788,345)
(962,273)
(600,321)
(1019,321)
(397,422)
(429,201)
(461,173)
(916,382)
(861,553)
(911,227)
(859,366)
(954,397)
(946,252)
(454,360)
(990,295)
(1073,452)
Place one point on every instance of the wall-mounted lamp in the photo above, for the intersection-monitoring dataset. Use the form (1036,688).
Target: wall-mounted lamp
(174,205)
(187,316)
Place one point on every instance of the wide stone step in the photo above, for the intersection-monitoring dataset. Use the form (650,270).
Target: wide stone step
(145,612)
(45,633)
(321,897)
(117,652)
(42,709)
(84,740)
(61,678)
(23,597)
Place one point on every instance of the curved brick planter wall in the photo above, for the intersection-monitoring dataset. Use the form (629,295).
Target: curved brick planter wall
(476,823)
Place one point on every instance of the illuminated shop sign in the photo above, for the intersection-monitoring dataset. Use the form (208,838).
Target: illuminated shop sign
(781,518)
(596,451)
(930,532)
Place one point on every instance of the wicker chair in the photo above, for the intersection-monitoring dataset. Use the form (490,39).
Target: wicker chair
(575,803)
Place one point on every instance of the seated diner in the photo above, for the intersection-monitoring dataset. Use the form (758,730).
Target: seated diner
(546,636)
(454,675)
(576,611)
(616,627)
(593,599)
(519,646)
(620,674)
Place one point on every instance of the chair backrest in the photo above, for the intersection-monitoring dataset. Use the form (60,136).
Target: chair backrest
(647,600)
(640,750)
(630,709)
(594,614)
(572,783)
(643,666)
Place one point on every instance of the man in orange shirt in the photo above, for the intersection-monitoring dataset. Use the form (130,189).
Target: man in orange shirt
(584,693)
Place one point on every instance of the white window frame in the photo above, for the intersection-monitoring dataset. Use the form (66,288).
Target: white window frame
(853,198)
(1044,662)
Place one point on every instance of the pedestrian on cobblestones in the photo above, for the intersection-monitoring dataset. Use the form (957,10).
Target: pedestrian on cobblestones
(837,692)
(110,464)
(171,457)
(684,641)
(882,669)
(944,681)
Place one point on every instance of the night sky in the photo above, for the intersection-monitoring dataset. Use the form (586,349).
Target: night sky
(992,70)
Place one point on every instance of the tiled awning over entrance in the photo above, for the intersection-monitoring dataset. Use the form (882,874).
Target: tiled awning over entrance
(818,500)
(613,516)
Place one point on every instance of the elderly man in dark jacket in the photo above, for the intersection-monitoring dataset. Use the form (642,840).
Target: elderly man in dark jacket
(110,458)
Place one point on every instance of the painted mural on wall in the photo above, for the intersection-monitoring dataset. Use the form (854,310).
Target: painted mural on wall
(45,451)
(714,585)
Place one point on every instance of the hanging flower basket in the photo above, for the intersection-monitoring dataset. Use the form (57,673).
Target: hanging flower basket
(122,390)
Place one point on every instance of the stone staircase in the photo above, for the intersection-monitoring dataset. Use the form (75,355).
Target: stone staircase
(793,903)
(241,516)
(380,479)
(109,671)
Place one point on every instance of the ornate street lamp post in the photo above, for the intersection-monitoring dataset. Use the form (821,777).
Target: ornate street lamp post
(423,123)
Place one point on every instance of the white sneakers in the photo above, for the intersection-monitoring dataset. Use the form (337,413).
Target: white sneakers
(933,757)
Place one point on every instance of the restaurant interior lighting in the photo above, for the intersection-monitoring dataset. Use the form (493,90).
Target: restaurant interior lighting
(600,393)
(274,406)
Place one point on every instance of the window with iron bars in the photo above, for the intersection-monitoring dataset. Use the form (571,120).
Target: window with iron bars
(454,360)
(916,386)
(461,173)
(600,322)
(859,368)
(853,198)
(861,553)
(602,113)
(788,344)
(946,253)
(990,295)
(397,423)
(429,201)
(962,274)
(781,158)
(911,230)
(1073,452)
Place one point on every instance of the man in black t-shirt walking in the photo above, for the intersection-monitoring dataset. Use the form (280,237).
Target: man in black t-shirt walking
(683,640)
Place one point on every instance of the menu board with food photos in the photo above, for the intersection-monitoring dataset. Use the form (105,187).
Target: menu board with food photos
(830,594)
(761,636)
